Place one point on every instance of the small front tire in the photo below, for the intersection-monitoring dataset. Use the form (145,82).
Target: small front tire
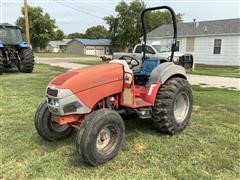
(47,128)
(100,136)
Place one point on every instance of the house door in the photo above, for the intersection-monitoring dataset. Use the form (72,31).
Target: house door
(190,44)
(90,50)
(100,50)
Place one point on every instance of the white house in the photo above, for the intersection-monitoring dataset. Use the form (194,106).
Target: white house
(211,42)
(58,46)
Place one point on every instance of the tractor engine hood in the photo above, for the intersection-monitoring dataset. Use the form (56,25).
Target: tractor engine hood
(87,78)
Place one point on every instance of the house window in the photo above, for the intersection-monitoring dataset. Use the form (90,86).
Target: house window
(217,46)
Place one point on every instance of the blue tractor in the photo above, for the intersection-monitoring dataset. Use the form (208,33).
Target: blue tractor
(14,51)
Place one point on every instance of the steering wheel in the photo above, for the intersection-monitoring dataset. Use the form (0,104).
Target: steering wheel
(129,60)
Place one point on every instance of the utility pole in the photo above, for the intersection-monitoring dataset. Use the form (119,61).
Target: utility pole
(26,21)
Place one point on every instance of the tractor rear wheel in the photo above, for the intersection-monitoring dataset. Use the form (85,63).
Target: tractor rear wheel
(1,63)
(100,136)
(173,106)
(27,60)
(46,125)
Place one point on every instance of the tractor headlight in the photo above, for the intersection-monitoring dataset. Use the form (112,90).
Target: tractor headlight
(56,103)
(53,102)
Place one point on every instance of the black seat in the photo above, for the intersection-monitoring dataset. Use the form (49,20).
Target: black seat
(141,76)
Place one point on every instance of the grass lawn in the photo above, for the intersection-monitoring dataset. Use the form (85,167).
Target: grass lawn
(59,55)
(209,148)
(225,71)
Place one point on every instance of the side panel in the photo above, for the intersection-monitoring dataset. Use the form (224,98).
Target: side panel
(91,96)
(151,94)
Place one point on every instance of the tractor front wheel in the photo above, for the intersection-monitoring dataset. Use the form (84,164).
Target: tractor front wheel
(26,63)
(47,126)
(100,136)
(1,63)
(173,106)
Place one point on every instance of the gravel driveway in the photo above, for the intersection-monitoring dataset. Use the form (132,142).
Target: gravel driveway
(215,81)
(205,81)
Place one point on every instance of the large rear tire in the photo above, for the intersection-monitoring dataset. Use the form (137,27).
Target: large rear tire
(100,136)
(27,60)
(173,106)
(1,63)
(47,128)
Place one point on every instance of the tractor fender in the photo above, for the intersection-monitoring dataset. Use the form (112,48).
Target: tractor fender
(23,45)
(164,71)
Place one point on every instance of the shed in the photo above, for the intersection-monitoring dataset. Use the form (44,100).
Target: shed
(89,46)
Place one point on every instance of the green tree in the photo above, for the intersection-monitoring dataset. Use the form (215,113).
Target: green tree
(75,35)
(126,29)
(96,32)
(41,26)
(58,35)
(158,18)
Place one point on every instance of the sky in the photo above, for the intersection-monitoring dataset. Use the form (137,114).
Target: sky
(78,15)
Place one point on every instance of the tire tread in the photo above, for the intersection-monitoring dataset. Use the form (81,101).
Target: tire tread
(162,118)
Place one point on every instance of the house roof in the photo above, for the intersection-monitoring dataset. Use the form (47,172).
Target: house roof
(5,24)
(8,25)
(59,43)
(94,42)
(201,28)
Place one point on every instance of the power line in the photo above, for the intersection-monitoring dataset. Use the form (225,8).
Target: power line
(82,11)
(96,7)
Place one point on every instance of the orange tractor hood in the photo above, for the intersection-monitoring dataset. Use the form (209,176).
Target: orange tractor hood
(89,77)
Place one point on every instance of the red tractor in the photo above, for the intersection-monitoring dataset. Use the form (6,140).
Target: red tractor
(91,99)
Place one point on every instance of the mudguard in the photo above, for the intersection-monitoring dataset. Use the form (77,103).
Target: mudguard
(23,45)
(166,70)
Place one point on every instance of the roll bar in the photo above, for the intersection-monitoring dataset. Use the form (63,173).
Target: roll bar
(145,32)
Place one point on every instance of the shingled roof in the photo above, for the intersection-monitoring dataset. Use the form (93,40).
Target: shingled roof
(8,25)
(202,28)
(64,42)
(94,42)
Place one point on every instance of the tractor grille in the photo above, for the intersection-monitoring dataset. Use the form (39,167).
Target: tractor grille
(52,92)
